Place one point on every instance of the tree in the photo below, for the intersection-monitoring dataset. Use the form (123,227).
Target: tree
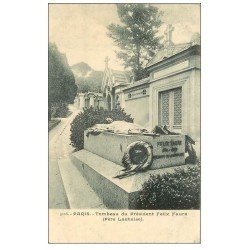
(137,36)
(62,87)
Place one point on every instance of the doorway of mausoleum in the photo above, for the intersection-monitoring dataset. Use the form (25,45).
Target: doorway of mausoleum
(170,109)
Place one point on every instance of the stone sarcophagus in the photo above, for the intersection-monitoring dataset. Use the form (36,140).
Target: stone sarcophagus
(167,150)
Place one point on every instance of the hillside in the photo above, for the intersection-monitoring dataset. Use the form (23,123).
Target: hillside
(87,79)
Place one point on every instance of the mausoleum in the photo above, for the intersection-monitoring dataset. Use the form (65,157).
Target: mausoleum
(169,96)
(112,84)
(89,99)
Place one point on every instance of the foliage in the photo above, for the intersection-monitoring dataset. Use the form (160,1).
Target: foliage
(62,87)
(177,190)
(87,79)
(137,37)
(53,123)
(49,111)
(59,110)
(92,83)
(89,118)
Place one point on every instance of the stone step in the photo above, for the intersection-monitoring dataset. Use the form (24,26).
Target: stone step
(80,194)
(100,172)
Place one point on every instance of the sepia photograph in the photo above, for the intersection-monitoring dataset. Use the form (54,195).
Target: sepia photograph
(118,124)
(124,114)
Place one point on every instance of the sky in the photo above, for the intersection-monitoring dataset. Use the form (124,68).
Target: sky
(79,30)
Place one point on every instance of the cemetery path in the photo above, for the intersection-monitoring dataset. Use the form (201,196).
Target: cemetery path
(67,187)
(57,194)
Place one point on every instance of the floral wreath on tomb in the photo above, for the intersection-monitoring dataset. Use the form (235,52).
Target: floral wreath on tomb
(138,157)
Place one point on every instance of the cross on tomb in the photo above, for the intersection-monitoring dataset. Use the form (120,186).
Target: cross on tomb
(107,59)
(168,33)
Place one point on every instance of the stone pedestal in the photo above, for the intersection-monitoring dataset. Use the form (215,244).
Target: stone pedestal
(115,193)
(101,160)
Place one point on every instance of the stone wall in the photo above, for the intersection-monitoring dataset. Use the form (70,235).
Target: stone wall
(139,110)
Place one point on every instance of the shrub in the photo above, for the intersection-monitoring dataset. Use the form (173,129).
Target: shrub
(53,123)
(59,110)
(49,111)
(177,190)
(89,118)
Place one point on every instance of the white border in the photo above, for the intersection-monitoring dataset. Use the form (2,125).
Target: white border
(225,147)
